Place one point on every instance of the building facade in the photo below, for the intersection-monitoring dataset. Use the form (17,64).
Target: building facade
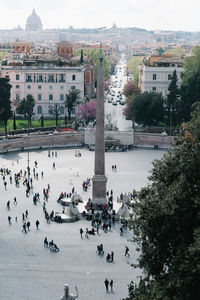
(48,86)
(157,77)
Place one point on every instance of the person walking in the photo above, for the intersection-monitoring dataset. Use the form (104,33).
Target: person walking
(37,223)
(121,231)
(28,225)
(111,285)
(81,232)
(24,228)
(9,219)
(127,251)
(87,233)
(112,256)
(15,201)
(106,284)
(8,205)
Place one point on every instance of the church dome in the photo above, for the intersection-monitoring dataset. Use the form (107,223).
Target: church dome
(33,22)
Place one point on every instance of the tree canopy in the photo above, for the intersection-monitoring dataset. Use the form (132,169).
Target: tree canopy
(131,89)
(167,222)
(173,105)
(26,107)
(87,111)
(5,104)
(71,99)
(147,108)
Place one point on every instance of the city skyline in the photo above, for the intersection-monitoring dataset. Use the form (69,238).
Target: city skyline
(148,14)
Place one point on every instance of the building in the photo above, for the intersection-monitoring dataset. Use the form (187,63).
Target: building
(64,49)
(48,85)
(33,22)
(156,75)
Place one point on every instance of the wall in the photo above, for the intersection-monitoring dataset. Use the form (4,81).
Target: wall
(78,138)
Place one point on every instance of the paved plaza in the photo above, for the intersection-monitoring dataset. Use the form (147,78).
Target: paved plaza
(28,270)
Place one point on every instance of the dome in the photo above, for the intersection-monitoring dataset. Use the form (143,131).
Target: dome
(33,22)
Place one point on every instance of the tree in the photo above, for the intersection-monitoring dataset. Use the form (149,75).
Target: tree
(5,104)
(14,122)
(167,222)
(173,106)
(146,109)
(87,111)
(190,88)
(191,65)
(131,89)
(26,107)
(65,120)
(55,111)
(42,120)
(71,99)
(133,66)
(190,93)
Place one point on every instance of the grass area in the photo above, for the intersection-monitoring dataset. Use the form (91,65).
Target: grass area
(34,124)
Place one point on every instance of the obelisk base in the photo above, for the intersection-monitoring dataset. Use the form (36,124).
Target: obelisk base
(99,190)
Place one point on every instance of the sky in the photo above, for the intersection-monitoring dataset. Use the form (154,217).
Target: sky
(147,14)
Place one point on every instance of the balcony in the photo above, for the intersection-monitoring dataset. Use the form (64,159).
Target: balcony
(61,80)
(29,80)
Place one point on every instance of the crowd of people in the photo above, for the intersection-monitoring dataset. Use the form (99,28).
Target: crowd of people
(102,217)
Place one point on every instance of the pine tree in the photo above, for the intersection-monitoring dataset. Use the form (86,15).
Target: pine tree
(5,104)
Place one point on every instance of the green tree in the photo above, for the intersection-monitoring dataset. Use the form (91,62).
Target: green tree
(191,65)
(55,111)
(14,121)
(190,88)
(26,107)
(173,106)
(190,93)
(71,99)
(133,66)
(167,222)
(5,104)
(42,120)
(146,109)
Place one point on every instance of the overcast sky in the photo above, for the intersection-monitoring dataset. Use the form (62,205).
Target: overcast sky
(148,14)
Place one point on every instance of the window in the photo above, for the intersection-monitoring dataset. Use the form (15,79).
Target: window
(50,97)
(62,87)
(61,97)
(39,87)
(51,78)
(73,77)
(62,110)
(39,109)
(29,87)
(73,111)
(61,78)
(17,86)
(29,78)
(17,97)
(154,88)
(17,76)
(169,76)
(39,97)
(154,76)
(51,87)
(40,79)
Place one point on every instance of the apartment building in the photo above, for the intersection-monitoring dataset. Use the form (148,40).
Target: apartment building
(156,75)
(48,85)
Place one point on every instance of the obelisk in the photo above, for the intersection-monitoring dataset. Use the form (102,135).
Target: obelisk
(99,179)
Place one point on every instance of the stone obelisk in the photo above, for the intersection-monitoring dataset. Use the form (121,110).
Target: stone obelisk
(99,179)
